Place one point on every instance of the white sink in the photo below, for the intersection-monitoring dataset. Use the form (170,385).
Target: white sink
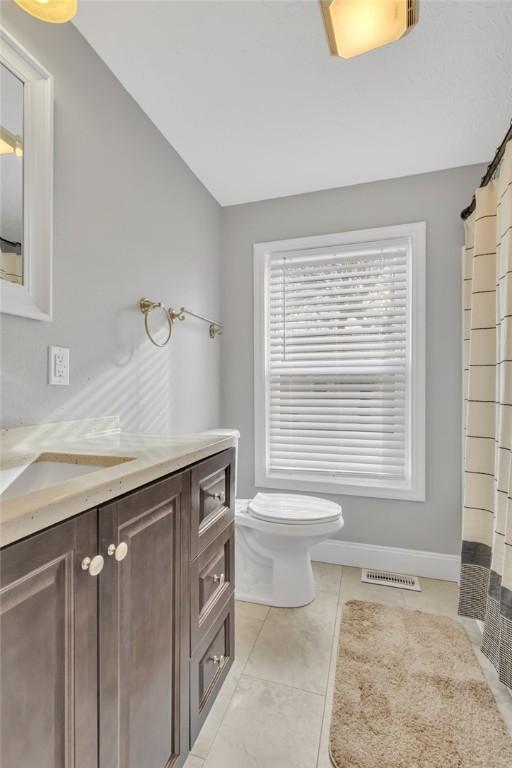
(51,469)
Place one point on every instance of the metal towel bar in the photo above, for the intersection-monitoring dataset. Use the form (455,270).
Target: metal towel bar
(147,306)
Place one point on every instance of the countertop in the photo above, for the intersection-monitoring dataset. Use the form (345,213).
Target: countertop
(144,458)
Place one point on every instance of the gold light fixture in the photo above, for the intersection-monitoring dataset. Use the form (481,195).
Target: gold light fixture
(357,26)
(53,11)
(10,143)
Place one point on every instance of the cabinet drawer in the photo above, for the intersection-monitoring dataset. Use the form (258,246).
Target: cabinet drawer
(211,580)
(209,666)
(213,499)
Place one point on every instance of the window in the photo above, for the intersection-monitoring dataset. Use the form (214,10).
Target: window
(339,363)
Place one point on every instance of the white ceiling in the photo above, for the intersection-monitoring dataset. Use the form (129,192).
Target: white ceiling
(247,92)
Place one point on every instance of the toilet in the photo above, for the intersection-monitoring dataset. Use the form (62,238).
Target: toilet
(274,533)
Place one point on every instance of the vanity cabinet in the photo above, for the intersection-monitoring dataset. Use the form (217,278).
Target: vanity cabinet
(117,666)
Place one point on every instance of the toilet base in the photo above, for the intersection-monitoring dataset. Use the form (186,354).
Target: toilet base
(273,563)
(284,583)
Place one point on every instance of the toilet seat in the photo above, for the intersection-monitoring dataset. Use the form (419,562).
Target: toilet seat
(293,509)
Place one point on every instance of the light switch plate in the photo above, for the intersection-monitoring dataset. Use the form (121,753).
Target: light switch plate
(58,365)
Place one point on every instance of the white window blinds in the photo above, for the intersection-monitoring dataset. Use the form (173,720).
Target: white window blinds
(337,363)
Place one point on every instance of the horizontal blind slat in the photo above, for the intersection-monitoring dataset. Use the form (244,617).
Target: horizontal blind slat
(329,401)
(283,291)
(337,341)
(364,368)
(338,351)
(333,276)
(334,459)
(336,450)
(358,427)
(327,263)
(319,334)
(356,443)
(308,432)
(342,414)
(335,467)
(310,386)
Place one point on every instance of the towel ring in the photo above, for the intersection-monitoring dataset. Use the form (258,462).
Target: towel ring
(147,307)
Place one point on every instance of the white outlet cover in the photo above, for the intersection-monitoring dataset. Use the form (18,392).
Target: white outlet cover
(58,366)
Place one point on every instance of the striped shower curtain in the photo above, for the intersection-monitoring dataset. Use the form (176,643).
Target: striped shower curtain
(486,574)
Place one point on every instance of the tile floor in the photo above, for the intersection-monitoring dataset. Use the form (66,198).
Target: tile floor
(274,708)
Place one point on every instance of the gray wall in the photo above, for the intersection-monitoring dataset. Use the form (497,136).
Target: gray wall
(131,220)
(435,197)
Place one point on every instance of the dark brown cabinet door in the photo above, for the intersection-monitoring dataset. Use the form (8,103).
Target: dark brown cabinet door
(144,620)
(48,636)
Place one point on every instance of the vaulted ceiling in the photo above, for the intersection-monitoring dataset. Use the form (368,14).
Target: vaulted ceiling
(247,92)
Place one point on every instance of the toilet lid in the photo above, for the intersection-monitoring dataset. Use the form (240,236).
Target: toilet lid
(293,508)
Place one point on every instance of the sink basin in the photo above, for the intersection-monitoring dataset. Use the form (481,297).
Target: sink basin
(51,469)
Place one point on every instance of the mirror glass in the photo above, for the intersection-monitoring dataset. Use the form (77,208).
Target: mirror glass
(11,176)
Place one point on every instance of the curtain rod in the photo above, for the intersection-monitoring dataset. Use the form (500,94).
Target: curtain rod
(491,170)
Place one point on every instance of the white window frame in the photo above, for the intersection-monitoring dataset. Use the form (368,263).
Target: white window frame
(413,488)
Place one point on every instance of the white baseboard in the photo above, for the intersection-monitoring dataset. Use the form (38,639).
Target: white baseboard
(432,565)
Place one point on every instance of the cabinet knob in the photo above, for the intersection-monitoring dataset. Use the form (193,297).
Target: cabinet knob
(219,661)
(119,552)
(221,496)
(220,578)
(94,565)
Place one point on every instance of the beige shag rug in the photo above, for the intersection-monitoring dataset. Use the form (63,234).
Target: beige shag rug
(410,693)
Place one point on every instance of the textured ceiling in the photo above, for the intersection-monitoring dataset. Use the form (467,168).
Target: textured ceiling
(249,96)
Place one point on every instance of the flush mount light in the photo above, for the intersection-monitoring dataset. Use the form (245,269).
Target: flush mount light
(53,11)
(357,26)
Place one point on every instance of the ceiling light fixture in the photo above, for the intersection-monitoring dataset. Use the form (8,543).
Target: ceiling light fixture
(53,11)
(357,26)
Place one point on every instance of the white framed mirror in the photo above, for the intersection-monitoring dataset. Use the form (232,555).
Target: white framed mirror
(26,182)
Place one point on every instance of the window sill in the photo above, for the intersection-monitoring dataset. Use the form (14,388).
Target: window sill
(368,488)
